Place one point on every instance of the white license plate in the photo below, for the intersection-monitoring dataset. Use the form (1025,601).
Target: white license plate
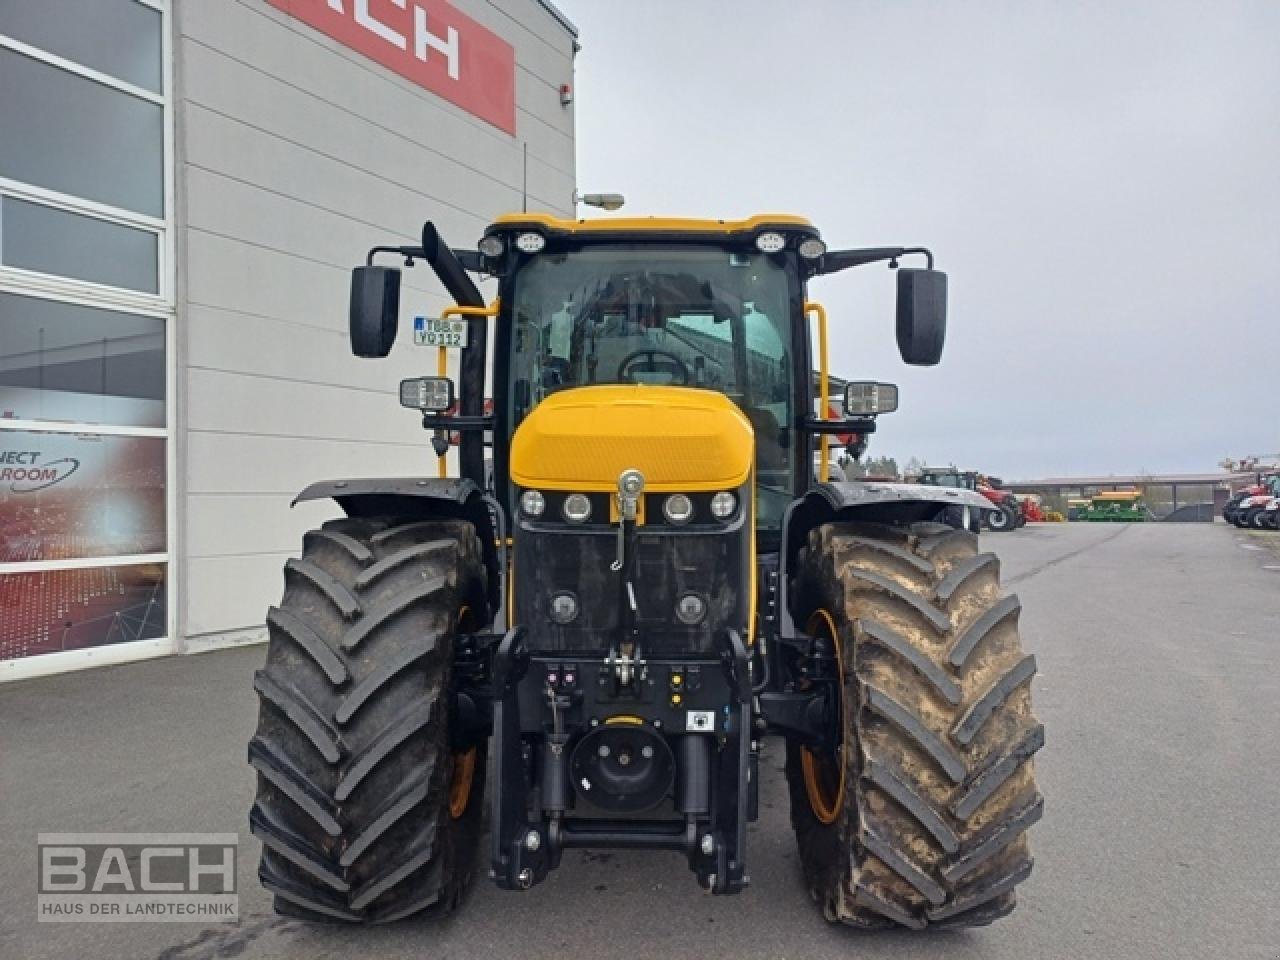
(434,332)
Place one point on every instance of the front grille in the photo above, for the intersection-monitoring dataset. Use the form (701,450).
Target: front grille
(714,565)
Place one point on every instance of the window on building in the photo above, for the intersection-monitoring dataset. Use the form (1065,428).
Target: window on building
(85,310)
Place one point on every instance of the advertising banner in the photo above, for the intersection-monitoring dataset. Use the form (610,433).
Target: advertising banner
(428,42)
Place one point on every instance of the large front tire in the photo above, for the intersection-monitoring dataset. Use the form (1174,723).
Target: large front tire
(919,817)
(364,812)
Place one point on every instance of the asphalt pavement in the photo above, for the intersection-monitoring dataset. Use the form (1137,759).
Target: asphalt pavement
(1159,654)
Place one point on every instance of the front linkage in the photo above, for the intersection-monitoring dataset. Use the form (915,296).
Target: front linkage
(621,762)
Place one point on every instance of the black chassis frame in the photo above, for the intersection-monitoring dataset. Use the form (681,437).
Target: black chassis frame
(786,684)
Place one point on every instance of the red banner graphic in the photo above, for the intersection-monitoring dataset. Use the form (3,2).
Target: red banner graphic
(428,42)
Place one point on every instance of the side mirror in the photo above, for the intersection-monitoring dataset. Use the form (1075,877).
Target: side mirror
(866,398)
(922,315)
(375,310)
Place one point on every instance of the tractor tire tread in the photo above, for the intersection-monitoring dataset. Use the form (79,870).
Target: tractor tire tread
(352,748)
(939,734)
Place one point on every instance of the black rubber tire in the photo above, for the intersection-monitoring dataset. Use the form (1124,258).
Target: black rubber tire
(1001,520)
(352,747)
(1251,519)
(938,731)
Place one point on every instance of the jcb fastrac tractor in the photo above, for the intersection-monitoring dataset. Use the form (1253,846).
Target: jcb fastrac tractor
(608,620)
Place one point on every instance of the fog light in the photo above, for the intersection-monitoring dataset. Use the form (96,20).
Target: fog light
(564,608)
(723,504)
(427,394)
(491,246)
(530,242)
(532,503)
(577,508)
(677,508)
(690,609)
(770,242)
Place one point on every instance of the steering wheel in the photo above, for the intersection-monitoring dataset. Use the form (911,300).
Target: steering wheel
(673,365)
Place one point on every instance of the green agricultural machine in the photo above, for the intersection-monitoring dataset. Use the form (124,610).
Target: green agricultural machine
(1116,506)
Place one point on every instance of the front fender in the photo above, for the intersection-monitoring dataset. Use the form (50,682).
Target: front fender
(425,498)
(872,502)
(856,495)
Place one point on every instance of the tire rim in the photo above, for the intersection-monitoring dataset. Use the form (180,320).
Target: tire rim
(819,771)
(464,764)
(464,774)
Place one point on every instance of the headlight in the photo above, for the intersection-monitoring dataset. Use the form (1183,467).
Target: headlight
(577,508)
(491,246)
(532,503)
(723,504)
(690,609)
(770,242)
(812,248)
(427,393)
(530,242)
(564,608)
(677,508)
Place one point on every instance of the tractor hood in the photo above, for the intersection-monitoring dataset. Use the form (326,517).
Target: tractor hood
(680,438)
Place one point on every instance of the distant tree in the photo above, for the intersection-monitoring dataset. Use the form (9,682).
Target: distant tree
(914,466)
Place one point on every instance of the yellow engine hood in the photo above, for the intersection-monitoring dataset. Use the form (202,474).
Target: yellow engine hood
(678,437)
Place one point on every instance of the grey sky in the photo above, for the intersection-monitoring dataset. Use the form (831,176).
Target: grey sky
(1100,180)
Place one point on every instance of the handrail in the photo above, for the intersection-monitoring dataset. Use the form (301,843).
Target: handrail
(824,390)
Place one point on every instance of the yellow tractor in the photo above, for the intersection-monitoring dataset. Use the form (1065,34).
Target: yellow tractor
(608,615)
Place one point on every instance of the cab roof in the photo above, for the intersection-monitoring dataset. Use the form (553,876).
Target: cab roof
(665,226)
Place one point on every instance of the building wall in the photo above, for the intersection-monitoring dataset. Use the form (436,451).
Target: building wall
(295,155)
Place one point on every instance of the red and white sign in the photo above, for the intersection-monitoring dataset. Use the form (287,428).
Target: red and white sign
(428,42)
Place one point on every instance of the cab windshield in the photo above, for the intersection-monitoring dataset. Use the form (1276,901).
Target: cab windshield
(679,316)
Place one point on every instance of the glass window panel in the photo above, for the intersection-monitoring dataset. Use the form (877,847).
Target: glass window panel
(67,133)
(68,363)
(72,609)
(50,240)
(67,496)
(120,38)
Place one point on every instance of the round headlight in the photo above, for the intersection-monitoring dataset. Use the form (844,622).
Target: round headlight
(723,504)
(577,508)
(770,242)
(532,503)
(812,248)
(677,508)
(491,246)
(564,608)
(690,609)
(530,242)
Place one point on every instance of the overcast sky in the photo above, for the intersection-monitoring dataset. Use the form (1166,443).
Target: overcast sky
(1101,181)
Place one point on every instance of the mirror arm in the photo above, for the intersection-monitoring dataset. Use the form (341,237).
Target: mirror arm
(407,252)
(470,259)
(853,425)
(833,261)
